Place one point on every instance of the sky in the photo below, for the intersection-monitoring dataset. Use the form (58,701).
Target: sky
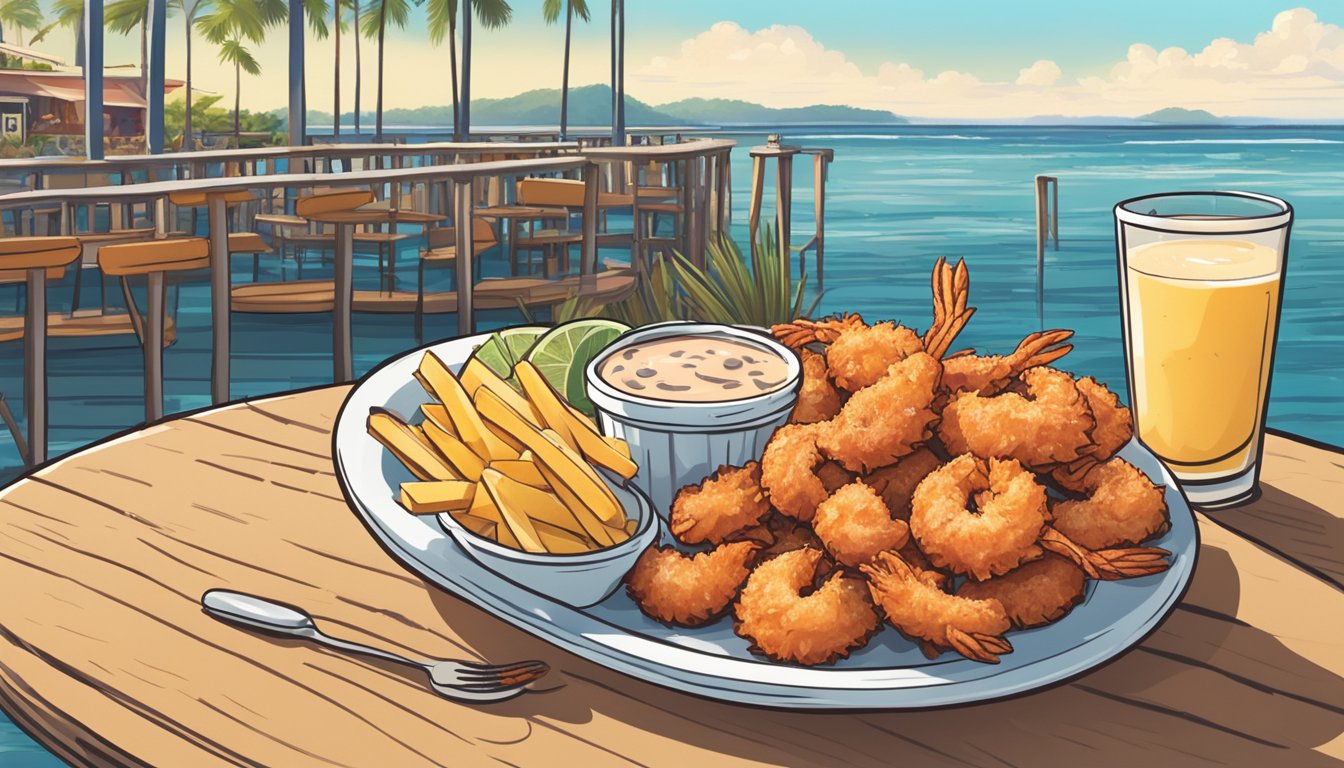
(949,59)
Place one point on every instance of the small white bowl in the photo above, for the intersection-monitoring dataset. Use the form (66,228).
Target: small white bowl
(677,443)
(579,580)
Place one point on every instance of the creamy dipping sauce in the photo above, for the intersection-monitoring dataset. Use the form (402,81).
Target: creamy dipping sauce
(695,368)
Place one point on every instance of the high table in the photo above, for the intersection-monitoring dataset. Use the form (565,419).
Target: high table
(107,659)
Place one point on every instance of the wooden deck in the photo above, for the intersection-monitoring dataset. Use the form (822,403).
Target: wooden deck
(303,296)
(82,324)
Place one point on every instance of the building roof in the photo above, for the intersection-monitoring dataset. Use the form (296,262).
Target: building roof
(19,52)
(118,90)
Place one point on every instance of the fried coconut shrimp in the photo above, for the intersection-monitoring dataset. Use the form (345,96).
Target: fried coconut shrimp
(1122,508)
(988,374)
(789,471)
(675,588)
(916,605)
(786,535)
(887,420)
(818,400)
(1037,593)
(854,524)
(818,628)
(1114,427)
(1048,425)
(727,502)
(859,357)
(999,535)
(896,484)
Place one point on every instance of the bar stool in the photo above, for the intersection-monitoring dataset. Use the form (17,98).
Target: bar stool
(239,242)
(35,260)
(154,259)
(442,250)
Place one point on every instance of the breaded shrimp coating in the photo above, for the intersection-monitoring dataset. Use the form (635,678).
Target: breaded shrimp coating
(818,400)
(854,524)
(1037,593)
(788,471)
(817,628)
(676,588)
(727,502)
(896,484)
(860,356)
(1114,427)
(1047,425)
(888,420)
(1123,508)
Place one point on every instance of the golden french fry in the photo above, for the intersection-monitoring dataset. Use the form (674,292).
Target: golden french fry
(606,505)
(459,456)
(463,420)
(562,542)
(522,470)
(430,498)
(546,403)
(477,525)
(543,506)
(517,521)
(476,378)
(596,447)
(483,506)
(406,445)
(631,526)
(618,445)
(587,519)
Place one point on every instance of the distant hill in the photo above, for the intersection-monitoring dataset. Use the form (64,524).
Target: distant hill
(591,105)
(1180,116)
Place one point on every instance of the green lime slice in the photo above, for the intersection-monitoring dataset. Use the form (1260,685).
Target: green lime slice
(563,353)
(505,348)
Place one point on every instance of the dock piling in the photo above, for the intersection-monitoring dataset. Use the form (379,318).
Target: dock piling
(1047,226)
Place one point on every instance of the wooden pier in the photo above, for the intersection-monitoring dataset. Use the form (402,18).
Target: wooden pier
(783,156)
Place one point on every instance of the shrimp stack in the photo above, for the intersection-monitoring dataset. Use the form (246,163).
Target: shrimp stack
(955,497)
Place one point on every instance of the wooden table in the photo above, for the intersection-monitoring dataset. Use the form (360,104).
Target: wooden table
(343,355)
(106,657)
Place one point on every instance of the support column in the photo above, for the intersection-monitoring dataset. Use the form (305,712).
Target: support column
(298,121)
(221,298)
(158,11)
(35,366)
(464,102)
(93,79)
(462,225)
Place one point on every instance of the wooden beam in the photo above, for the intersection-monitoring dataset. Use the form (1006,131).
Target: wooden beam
(218,220)
(462,224)
(757,193)
(35,366)
(153,348)
(342,351)
(819,161)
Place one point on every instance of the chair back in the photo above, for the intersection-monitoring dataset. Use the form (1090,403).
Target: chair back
(564,193)
(20,254)
(197,199)
(332,200)
(151,256)
(482,234)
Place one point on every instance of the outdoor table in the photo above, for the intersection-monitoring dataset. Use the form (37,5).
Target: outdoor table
(342,355)
(107,658)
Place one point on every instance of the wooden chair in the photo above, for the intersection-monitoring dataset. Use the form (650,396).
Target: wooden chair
(441,250)
(239,242)
(154,260)
(34,261)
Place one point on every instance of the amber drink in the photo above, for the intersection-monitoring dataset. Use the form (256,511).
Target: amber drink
(1201,278)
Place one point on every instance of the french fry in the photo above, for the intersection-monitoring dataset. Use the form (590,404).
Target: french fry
(523,470)
(483,506)
(597,448)
(463,420)
(559,541)
(545,402)
(592,526)
(543,506)
(459,456)
(431,498)
(476,377)
(477,525)
(405,444)
(610,512)
(517,521)
(618,445)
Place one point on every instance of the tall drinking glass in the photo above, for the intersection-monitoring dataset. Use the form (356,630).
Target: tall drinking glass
(1201,278)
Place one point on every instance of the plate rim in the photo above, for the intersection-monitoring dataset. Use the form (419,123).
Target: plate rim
(783,696)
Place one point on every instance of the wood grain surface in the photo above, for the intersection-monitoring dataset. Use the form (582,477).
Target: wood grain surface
(106,657)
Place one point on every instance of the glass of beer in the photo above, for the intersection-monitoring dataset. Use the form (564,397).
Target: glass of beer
(1201,279)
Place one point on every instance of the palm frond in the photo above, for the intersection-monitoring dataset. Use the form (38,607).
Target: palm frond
(493,14)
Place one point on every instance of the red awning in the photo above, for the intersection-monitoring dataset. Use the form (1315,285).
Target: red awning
(117,91)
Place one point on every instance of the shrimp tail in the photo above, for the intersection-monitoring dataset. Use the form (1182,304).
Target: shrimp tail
(977,645)
(951,291)
(1041,348)
(1108,564)
(801,332)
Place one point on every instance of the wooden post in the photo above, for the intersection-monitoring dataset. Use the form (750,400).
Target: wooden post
(819,161)
(220,297)
(35,365)
(757,192)
(462,199)
(153,347)
(1054,210)
(784,206)
(588,259)
(342,351)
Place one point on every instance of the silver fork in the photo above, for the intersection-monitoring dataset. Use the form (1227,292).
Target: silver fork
(461,680)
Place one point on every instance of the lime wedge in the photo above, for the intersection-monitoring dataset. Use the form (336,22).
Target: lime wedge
(563,353)
(505,348)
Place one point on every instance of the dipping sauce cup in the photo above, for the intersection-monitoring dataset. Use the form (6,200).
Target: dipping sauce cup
(690,397)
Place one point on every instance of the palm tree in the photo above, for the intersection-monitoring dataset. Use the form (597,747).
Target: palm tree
(443,23)
(379,13)
(338,26)
(551,10)
(70,15)
(19,15)
(122,17)
(359,69)
(229,24)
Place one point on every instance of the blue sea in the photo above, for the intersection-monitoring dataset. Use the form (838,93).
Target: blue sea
(897,199)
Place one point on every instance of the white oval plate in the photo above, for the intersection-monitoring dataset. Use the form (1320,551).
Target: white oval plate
(889,673)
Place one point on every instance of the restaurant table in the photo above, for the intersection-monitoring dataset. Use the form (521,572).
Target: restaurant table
(342,357)
(107,659)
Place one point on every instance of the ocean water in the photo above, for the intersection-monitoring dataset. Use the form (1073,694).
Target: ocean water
(897,199)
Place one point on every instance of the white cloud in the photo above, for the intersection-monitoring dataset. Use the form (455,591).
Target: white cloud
(1293,69)
(1042,73)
